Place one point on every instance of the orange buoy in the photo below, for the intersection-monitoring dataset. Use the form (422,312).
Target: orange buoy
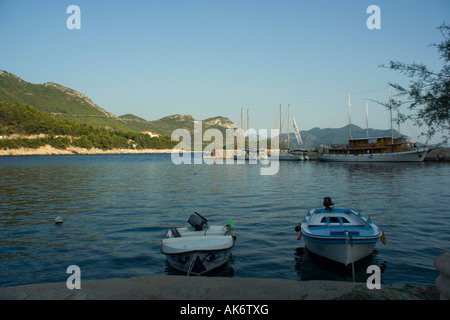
(299,235)
(383,237)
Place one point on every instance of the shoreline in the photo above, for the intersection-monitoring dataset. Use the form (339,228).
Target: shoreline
(167,287)
(48,151)
(434,155)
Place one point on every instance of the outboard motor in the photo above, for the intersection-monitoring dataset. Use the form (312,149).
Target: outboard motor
(197,221)
(327,203)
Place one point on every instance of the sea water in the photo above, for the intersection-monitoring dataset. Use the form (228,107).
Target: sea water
(117,208)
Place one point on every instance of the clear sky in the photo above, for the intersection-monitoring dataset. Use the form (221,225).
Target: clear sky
(213,57)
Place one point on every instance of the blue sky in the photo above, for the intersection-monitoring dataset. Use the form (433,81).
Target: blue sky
(213,57)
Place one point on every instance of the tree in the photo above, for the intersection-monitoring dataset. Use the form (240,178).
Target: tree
(428,92)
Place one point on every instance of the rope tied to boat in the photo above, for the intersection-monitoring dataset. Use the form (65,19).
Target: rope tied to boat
(349,239)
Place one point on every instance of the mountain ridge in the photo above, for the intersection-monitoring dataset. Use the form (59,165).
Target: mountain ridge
(67,103)
(64,102)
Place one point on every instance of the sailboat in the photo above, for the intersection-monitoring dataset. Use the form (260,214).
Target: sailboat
(252,154)
(374,149)
(292,154)
(302,153)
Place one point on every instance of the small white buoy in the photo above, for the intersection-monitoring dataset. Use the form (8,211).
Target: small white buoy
(58,220)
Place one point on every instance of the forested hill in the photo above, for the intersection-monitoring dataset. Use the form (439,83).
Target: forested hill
(20,121)
(56,106)
(66,103)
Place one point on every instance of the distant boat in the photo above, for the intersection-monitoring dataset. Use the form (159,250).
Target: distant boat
(199,248)
(302,152)
(341,235)
(384,149)
(380,149)
(252,154)
(292,154)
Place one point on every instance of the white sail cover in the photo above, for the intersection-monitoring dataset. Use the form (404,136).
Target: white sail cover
(297,133)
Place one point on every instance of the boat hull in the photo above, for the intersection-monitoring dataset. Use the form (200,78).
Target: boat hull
(198,252)
(290,157)
(198,262)
(407,156)
(340,252)
(340,235)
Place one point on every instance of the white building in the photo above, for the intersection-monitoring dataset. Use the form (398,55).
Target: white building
(151,134)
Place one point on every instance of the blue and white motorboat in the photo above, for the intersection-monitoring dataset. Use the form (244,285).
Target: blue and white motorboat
(341,235)
(198,248)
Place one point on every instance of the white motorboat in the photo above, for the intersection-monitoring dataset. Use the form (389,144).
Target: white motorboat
(341,235)
(252,155)
(290,156)
(198,248)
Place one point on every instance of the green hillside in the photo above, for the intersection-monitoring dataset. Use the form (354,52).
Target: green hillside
(66,103)
(138,124)
(24,120)
(59,101)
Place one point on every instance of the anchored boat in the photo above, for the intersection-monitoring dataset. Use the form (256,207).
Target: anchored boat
(341,235)
(384,149)
(374,149)
(198,248)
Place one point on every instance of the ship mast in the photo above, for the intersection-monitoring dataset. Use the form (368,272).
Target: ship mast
(279,136)
(390,111)
(288,126)
(398,117)
(367,119)
(349,116)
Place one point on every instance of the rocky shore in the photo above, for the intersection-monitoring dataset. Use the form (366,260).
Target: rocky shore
(165,287)
(48,150)
(438,154)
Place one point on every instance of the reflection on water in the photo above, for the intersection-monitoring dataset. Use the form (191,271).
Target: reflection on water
(310,266)
(117,208)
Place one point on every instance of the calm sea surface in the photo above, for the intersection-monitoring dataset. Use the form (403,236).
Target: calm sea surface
(117,208)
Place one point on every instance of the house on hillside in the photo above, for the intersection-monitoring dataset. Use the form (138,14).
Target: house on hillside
(151,134)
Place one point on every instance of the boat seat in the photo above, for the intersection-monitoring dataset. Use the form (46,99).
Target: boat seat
(342,233)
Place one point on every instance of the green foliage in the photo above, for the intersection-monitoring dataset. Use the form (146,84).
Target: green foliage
(60,133)
(64,103)
(428,92)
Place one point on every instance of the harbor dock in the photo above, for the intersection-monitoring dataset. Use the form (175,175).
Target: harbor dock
(165,287)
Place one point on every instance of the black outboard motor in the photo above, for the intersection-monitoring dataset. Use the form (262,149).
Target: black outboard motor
(327,203)
(197,221)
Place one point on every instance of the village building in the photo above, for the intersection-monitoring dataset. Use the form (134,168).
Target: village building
(151,134)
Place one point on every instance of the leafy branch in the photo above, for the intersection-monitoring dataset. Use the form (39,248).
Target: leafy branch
(428,92)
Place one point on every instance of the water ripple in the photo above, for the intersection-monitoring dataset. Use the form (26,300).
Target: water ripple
(117,208)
